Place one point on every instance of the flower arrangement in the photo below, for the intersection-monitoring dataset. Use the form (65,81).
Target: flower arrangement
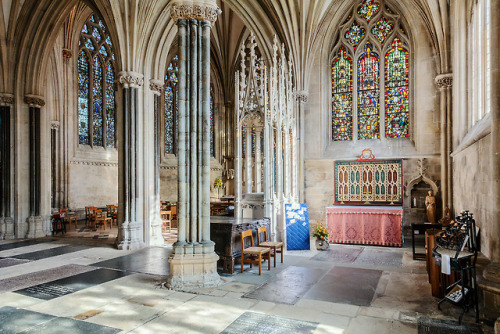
(320,232)
(218,183)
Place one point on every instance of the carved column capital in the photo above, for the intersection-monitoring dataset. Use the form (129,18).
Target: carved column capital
(55,125)
(6,99)
(67,54)
(197,11)
(302,96)
(444,80)
(34,100)
(156,86)
(130,79)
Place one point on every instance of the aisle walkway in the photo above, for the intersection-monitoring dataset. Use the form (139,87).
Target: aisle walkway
(72,285)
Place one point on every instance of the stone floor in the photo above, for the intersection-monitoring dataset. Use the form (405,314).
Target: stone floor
(84,285)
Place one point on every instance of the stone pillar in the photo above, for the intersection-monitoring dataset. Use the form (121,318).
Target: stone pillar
(302,98)
(156,86)
(248,159)
(6,221)
(444,82)
(193,264)
(268,203)
(35,221)
(130,230)
(54,164)
(258,163)
(286,166)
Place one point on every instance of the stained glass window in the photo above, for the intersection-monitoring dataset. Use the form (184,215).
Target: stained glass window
(96,95)
(357,103)
(368,94)
(342,96)
(171,106)
(396,91)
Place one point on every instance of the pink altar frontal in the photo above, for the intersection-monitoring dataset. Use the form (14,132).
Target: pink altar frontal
(365,225)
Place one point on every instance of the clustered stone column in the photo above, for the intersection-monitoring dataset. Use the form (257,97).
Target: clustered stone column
(248,159)
(193,264)
(258,160)
(35,221)
(444,82)
(6,220)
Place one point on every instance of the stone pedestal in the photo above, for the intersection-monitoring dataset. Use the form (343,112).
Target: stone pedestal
(35,227)
(193,267)
(130,238)
(489,285)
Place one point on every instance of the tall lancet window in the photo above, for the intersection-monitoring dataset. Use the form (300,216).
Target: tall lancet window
(96,94)
(171,105)
(370,75)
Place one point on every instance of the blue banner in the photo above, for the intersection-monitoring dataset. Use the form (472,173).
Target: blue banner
(297,226)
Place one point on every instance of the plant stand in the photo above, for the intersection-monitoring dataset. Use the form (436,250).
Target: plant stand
(322,244)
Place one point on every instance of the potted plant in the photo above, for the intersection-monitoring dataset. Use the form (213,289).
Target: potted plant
(321,234)
(218,185)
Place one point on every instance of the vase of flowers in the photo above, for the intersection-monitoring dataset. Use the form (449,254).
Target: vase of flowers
(321,234)
(218,185)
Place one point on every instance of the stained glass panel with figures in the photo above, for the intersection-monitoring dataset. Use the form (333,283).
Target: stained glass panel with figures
(368,94)
(396,91)
(97,103)
(171,106)
(83,98)
(382,28)
(342,96)
(355,34)
(368,9)
(110,106)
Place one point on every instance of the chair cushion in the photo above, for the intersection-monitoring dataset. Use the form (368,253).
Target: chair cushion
(256,250)
(271,244)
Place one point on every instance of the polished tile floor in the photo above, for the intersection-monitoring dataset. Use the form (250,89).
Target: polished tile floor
(84,285)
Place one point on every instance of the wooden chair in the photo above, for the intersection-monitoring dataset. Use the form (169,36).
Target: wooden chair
(112,211)
(166,220)
(67,217)
(255,254)
(173,217)
(90,215)
(275,246)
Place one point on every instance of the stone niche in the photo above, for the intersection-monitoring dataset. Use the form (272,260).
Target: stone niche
(416,193)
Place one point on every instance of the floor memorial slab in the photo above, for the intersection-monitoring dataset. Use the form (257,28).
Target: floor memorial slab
(288,286)
(71,284)
(439,326)
(258,323)
(346,286)
(38,255)
(6,262)
(13,320)
(153,260)
(339,254)
(24,243)
(380,258)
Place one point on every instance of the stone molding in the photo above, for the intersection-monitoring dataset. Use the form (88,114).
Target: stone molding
(34,100)
(156,86)
(216,169)
(302,96)
(55,125)
(130,79)
(6,99)
(444,80)
(67,54)
(94,163)
(194,11)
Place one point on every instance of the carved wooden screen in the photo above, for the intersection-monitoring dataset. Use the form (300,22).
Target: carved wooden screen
(368,182)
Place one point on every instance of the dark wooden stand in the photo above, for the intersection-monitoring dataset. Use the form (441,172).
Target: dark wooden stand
(225,232)
(419,230)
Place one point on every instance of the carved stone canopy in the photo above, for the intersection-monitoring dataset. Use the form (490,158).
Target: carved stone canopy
(6,99)
(156,86)
(34,100)
(444,80)
(130,79)
(195,10)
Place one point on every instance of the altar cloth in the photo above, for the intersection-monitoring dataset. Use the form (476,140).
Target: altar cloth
(365,225)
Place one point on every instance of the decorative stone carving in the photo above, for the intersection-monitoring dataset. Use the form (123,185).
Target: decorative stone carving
(130,79)
(156,86)
(67,54)
(6,98)
(34,100)
(94,163)
(302,96)
(54,125)
(444,80)
(194,11)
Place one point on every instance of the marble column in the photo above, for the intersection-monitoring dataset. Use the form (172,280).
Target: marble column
(6,221)
(130,230)
(35,220)
(444,82)
(193,264)
(156,87)
(258,161)
(248,159)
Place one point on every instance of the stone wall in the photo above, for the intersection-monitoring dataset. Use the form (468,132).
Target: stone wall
(472,191)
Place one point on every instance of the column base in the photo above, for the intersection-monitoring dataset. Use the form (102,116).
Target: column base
(35,227)
(8,232)
(129,237)
(193,267)
(156,236)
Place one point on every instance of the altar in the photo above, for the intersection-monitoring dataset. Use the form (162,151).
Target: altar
(365,225)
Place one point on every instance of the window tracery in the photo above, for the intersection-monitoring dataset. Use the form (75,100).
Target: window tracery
(373,38)
(96,95)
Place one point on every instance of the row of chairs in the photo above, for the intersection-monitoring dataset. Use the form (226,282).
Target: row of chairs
(168,214)
(96,217)
(264,250)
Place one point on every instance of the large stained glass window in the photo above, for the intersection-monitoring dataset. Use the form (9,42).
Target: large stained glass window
(370,75)
(96,94)
(396,91)
(171,81)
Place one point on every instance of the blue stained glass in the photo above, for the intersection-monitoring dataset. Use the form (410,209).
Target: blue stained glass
(83,99)
(97,139)
(92,18)
(96,34)
(103,51)
(169,120)
(108,40)
(85,29)
(101,24)
(89,45)
(110,106)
